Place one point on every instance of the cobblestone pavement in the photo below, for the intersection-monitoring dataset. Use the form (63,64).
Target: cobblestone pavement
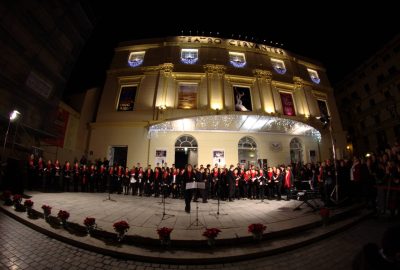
(24,248)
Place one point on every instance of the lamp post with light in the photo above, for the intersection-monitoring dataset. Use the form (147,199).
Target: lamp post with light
(12,116)
(326,122)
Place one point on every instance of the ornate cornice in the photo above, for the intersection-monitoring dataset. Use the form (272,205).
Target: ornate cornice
(263,74)
(167,68)
(298,82)
(220,69)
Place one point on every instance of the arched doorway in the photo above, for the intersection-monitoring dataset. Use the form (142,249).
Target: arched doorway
(185,151)
(247,151)
(296,151)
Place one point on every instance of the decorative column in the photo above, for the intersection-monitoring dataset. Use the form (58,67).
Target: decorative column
(300,96)
(263,79)
(215,85)
(164,80)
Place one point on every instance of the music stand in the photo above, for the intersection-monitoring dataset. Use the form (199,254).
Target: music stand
(218,197)
(164,215)
(195,186)
(109,192)
(262,197)
(305,194)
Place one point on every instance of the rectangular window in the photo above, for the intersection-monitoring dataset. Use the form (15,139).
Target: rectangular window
(187,96)
(127,98)
(237,59)
(135,59)
(323,107)
(242,99)
(314,75)
(278,65)
(189,56)
(287,104)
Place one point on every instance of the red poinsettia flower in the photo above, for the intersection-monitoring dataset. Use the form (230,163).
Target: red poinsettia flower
(211,232)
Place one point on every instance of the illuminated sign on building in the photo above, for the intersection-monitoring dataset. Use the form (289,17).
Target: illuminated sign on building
(229,42)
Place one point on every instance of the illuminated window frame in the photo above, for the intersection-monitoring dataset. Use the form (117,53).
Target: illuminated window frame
(135,59)
(189,56)
(278,65)
(237,59)
(314,75)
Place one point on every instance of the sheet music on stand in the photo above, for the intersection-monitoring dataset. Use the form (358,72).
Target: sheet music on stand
(198,185)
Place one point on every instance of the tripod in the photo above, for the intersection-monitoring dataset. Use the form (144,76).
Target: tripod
(218,203)
(196,222)
(164,215)
(109,193)
(262,194)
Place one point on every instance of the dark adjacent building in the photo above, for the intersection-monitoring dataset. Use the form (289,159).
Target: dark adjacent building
(368,101)
(40,42)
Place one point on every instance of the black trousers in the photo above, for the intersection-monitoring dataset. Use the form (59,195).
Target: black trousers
(188,198)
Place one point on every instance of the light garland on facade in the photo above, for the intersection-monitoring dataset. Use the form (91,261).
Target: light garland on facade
(237,123)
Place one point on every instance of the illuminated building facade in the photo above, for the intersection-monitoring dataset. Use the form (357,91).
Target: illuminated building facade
(206,100)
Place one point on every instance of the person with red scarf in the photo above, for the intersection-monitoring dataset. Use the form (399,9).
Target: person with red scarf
(189,176)
(31,171)
(67,173)
(288,183)
(148,181)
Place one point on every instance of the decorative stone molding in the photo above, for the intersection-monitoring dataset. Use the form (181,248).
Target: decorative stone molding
(298,82)
(220,69)
(263,74)
(167,68)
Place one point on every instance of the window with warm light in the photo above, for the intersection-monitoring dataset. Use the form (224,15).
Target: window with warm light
(187,96)
(189,56)
(237,59)
(135,59)
(314,75)
(278,65)
(127,98)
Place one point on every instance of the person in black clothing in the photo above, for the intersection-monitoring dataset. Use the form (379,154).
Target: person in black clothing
(231,182)
(189,176)
(386,257)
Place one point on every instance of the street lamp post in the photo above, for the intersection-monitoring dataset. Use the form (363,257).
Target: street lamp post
(13,116)
(326,122)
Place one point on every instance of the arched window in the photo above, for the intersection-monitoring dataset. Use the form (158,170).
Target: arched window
(186,141)
(185,151)
(247,151)
(247,143)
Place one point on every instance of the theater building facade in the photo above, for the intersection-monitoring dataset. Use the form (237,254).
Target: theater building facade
(206,100)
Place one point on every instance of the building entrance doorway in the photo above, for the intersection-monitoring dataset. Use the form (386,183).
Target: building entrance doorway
(118,155)
(247,151)
(185,151)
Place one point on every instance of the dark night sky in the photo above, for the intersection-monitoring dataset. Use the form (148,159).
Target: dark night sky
(339,37)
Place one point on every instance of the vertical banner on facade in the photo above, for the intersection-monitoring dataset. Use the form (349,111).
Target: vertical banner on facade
(187,96)
(242,99)
(219,157)
(287,104)
(161,157)
(127,98)
(59,127)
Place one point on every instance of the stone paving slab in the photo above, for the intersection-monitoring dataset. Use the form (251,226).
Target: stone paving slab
(145,214)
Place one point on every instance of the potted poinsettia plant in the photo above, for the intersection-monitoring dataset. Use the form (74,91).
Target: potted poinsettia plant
(121,227)
(164,234)
(6,196)
(17,199)
(46,211)
(63,217)
(257,230)
(325,214)
(90,224)
(28,205)
(211,234)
